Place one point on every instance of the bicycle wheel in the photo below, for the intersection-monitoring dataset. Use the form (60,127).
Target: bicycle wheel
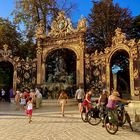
(110,127)
(128,120)
(84,115)
(93,119)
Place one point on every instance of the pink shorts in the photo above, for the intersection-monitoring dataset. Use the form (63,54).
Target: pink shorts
(29,112)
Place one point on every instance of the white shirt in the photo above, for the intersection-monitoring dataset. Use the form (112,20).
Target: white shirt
(23,101)
(2,92)
(29,106)
(80,94)
(38,94)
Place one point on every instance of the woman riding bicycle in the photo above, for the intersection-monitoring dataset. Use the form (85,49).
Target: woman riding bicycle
(113,100)
(111,106)
(87,101)
(112,119)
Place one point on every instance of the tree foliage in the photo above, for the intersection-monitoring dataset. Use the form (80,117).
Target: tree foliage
(135,28)
(27,49)
(104,18)
(9,35)
(30,12)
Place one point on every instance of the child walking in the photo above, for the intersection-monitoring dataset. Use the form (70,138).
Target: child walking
(29,109)
(22,102)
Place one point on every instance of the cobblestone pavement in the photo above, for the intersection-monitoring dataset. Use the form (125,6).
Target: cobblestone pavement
(49,125)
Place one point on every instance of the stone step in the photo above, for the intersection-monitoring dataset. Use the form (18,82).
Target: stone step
(54,102)
(134,110)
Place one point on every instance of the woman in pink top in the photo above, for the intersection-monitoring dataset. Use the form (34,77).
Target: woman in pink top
(113,99)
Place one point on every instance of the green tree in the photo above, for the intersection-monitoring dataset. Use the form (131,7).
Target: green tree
(135,28)
(9,35)
(30,12)
(27,49)
(104,18)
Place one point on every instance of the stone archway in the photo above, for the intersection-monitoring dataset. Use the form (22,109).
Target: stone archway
(6,74)
(101,61)
(79,61)
(60,72)
(61,37)
(14,72)
(120,73)
(119,43)
(60,60)
(6,56)
(24,71)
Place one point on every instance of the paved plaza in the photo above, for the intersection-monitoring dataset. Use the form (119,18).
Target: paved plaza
(49,125)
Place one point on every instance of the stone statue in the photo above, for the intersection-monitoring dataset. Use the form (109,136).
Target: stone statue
(40,30)
(50,78)
(60,65)
(119,36)
(82,24)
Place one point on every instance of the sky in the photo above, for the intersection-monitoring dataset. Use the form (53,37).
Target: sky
(83,8)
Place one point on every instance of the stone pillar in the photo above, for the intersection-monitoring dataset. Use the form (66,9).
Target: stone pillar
(43,72)
(115,81)
(14,80)
(108,77)
(131,78)
(80,70)
(39,61)
(77,72)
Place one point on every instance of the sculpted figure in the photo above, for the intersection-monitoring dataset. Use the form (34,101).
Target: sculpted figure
(82,24)
(40,30)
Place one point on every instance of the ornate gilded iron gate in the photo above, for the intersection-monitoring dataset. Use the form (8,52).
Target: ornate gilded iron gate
(98,70)
(24,75)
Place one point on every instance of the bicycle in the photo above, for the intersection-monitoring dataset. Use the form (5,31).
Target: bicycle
(111,122)
(123,116)
(84,115)
(116,118)
(92,116)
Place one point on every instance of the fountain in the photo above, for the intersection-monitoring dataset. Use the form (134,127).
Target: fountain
(60,80)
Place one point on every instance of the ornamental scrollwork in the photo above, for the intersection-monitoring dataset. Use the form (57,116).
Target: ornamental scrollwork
(131,43)
(87,61)
(134,53)
(103,78)
(87,79)
(26,73)
(61,26)
(107,50)
(136,74)
(96,72)
(39,50)
(5,52)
